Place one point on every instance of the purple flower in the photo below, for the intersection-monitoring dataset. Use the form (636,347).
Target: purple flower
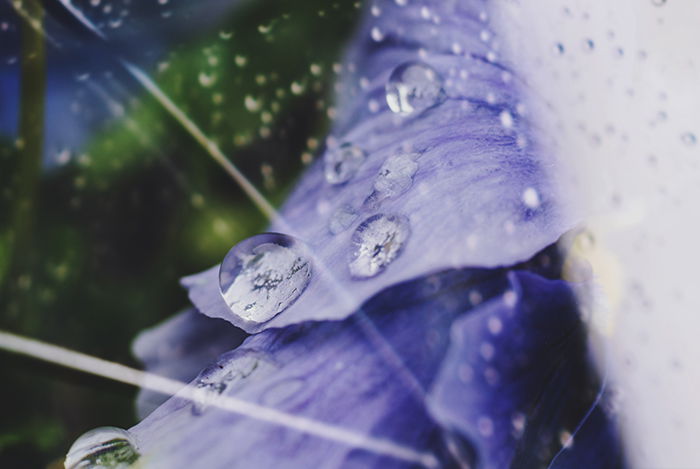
(409,319)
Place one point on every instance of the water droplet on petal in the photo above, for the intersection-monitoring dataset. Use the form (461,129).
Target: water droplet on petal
(414,87)
(378,242)
(531,198)
(103,448)
(215,379)
(341,219)
(342,163)
(689,138)
(263,275)
(558,49)
(506,119)
(396,175)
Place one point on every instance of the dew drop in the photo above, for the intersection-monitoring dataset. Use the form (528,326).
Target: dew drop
(506,119)
(206,79)
(341,219)
(378,242)
(414,87)
(396,175)
(376,34)
(215,379)
(342,163)
(263,275)
(531,198)
(689,139)
(103,448)
(658,3)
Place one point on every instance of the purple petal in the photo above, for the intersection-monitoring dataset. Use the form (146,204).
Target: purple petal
(517,383)
(179,348)
(475,188)
(346,373)
(476,366)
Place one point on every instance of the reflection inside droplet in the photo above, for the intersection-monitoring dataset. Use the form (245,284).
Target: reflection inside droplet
(378,242)
(261,276)
(414,87)
(103,448)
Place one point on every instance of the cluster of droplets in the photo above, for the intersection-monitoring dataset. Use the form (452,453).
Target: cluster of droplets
(263,275)
(103,448)
(412,88)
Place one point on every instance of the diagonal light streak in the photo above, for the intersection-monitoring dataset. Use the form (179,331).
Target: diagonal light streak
(124,374)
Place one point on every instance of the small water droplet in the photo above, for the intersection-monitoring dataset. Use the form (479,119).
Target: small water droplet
(252,104)
(342,163)
(658,3)
(689,139)
(206,80)
(396,175)
(341,219)
(215,379)
(414,87)
(297,88)
(378,242)
(376,34)
(103,448)
(262,276)
(531,198)
(506,119)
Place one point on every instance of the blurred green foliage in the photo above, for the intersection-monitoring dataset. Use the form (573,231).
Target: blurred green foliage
(142,204)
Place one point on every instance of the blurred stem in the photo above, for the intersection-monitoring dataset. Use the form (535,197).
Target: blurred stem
(30,144)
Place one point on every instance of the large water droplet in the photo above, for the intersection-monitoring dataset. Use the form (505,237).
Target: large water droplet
(414,87)
(103,448)
(396,175)
(214,380)
(378,242)
(261,276)
(342,163)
